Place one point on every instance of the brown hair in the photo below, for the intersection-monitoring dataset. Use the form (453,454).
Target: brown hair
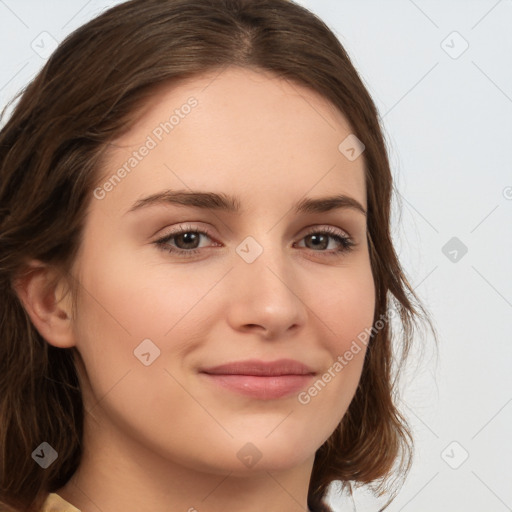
(87,94)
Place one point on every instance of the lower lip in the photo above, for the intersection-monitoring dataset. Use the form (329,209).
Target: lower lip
(262,387)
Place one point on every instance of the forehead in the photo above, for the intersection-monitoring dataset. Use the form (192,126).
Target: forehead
(237,130)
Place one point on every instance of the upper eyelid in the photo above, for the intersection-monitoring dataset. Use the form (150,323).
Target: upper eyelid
(185,228)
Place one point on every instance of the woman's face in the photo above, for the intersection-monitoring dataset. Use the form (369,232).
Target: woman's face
(266,283)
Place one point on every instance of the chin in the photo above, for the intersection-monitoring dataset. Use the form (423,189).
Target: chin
(247,456)
(281,453)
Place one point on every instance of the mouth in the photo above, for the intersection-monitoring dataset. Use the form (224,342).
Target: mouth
(259,379)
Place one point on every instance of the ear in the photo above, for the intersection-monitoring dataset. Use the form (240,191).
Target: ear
(45,296)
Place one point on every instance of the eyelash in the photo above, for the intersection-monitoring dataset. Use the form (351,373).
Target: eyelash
(346,243)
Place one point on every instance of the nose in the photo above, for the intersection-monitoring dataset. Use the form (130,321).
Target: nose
(265,295)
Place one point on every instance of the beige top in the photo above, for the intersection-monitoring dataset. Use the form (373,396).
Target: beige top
(54,503)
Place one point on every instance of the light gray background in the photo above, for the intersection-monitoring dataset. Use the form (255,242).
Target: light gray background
(447,114)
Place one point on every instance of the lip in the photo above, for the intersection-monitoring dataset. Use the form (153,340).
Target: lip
(264,380)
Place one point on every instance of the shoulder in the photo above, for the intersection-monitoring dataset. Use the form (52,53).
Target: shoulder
(54,503)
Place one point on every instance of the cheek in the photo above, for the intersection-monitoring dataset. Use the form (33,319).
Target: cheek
(350,313)
(137,293)
(127,298)
(345,314)
(346,305)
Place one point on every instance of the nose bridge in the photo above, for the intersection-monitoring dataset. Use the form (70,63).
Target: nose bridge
(261,256)
(264,288)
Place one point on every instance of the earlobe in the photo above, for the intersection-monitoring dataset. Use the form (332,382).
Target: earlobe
(44,296)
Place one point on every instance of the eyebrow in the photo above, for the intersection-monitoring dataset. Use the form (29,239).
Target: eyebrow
(231,204)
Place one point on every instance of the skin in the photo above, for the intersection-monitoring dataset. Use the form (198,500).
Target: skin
(159,437)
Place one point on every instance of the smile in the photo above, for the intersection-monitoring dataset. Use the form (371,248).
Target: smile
(259,379)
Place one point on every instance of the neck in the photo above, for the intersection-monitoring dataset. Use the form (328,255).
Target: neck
(119,474)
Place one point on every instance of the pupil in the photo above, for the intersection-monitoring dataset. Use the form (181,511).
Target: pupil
(317,240)
(189,238)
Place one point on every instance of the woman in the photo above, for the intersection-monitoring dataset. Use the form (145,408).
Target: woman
(198,269)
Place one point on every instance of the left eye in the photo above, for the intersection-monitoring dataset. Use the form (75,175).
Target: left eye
(187,239)
(320,239)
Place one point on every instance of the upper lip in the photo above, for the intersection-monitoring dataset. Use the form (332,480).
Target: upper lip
(257,367)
